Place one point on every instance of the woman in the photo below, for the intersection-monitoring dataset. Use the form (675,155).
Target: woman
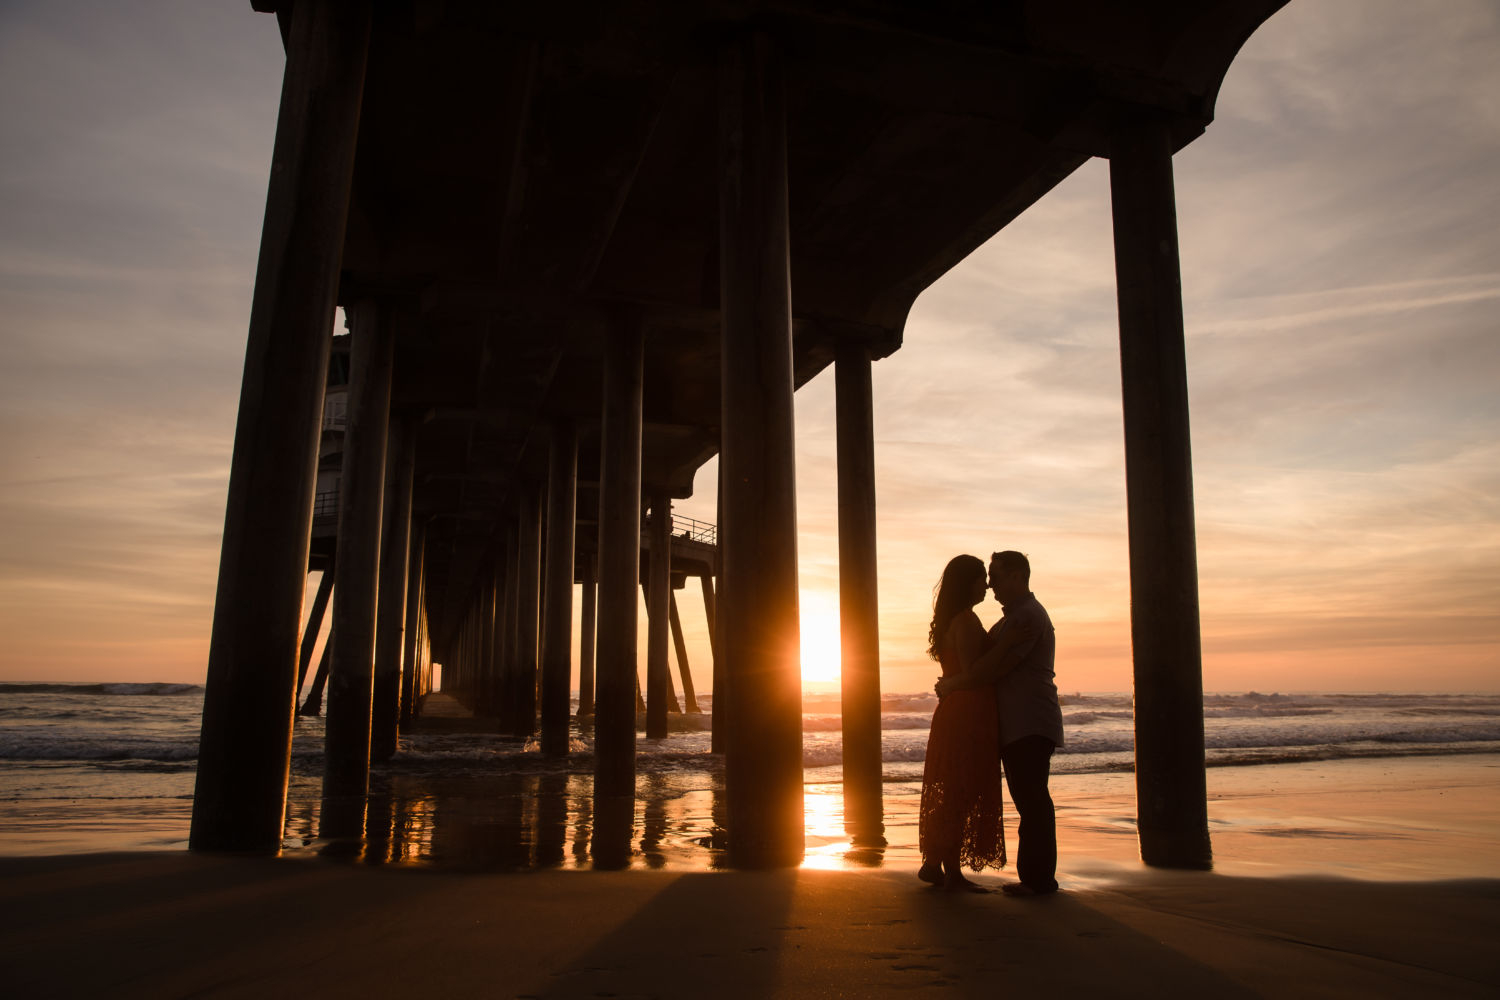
(960,819)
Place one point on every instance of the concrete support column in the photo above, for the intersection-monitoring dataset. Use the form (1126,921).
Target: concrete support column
(395,554)
(1171,797)
(619,563)
(497,640)
(528,610)
(509,644)
(717,672)
(244,752)
(586,640)
(658,592)
(557,603)
(859,606)
(758,625)
(346,748)
(411,646)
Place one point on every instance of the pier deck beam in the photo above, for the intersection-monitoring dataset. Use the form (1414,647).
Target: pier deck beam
(658,590)
(557,600)
(859,606)
(395,552)
(758,623)
(1170,784)
(619,563)
(356,585)
(244,756)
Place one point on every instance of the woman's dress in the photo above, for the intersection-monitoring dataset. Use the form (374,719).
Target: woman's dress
(961,796)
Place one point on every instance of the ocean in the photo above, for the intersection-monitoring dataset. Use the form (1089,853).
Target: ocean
(97,766)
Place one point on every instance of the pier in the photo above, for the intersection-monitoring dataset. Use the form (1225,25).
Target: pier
(583,252)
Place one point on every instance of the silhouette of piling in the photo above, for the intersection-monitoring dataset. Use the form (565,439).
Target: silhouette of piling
(758,623)
(619,563)
(395,552)
(586,639)
(658,587)
(859,607)
(239,799)
(1171,790)
(346,742)
(557,602)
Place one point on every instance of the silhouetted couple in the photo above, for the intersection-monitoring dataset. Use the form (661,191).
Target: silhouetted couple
(997,703)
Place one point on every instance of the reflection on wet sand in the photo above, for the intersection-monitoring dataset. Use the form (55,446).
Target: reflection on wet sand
(523,821)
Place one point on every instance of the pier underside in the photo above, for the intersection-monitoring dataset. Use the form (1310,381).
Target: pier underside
(585,249)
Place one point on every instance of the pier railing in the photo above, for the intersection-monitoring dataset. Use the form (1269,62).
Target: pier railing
(326,504)
(688,528)
(694,530)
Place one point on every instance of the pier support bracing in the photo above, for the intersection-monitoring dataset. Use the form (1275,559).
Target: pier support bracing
(586,639)
(619,563)
(658,590)
(528,601)
(1170,785)
(245,748)
(395,552)
(351,672)
(679,644)
(758,625)
(314,624)
(557,591)
(859,610)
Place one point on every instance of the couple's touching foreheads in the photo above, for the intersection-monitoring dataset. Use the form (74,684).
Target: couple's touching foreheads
(997,714)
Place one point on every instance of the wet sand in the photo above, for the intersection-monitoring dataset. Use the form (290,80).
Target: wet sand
(1370,877)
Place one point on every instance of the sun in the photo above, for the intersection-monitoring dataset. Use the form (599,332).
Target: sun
(820,636)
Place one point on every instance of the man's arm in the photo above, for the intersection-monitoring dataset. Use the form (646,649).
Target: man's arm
(1016,640)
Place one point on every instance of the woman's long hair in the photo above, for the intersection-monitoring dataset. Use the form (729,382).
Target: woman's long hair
(950,597)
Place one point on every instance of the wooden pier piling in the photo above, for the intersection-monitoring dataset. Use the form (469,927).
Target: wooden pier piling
(859,606)
(619,563)
(395,553)
(244,754)
(1171,793)
(557,599)
(758,624)
(586,639)
(346,744)
(658,589)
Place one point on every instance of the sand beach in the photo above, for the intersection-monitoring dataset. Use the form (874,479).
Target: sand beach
(1341,878)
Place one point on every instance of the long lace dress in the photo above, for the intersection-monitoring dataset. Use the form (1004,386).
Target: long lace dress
(961,797)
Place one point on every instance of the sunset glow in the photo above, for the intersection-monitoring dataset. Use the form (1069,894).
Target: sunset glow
(820,636)
(1339,310)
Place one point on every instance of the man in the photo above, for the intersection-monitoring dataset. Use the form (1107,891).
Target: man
(1030,717)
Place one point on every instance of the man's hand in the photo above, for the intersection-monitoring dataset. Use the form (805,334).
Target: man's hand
(943,686)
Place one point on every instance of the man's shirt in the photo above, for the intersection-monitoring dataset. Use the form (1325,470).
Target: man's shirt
(1027,695)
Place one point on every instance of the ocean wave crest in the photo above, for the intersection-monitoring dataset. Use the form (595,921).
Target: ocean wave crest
(160,689)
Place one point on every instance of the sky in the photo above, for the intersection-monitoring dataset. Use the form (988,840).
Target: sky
(1341,286)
